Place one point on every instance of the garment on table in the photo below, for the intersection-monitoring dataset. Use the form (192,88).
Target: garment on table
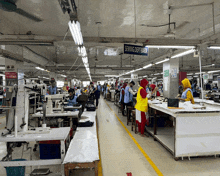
(187,94)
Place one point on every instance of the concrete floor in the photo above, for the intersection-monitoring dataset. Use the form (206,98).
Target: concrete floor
(120,155)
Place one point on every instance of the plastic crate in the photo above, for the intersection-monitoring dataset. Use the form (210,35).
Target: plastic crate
(16,171)
(49,150)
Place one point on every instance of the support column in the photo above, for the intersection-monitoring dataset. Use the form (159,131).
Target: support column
(171,78)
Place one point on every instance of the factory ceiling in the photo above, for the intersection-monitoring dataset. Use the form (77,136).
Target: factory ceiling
(106,25)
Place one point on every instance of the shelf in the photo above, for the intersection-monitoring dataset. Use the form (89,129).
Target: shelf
(165,135)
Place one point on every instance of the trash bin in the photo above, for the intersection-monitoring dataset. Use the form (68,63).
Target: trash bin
(16,170)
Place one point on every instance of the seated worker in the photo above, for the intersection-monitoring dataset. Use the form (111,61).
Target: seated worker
(187,94)
(72,98)
(129,93)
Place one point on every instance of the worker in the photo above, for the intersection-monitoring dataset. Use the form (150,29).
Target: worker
(97,94)
(121,100)
(129,93)
(78,91)
(72,98)
(194,87)
(53,87)
(187,94)
(141,106)
(154,90)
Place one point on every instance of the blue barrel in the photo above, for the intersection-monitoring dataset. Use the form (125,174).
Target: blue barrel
(16,171)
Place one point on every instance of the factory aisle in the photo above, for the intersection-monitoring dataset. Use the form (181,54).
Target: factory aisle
(120,155)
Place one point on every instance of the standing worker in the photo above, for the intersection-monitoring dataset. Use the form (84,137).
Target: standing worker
(141,106)
(128,97)
(122,93)
(187,94)
(97,94)
(53,87)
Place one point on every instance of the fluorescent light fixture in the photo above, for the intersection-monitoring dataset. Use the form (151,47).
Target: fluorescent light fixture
(170,46)
(147,66)
(85,59)
(145,76)
(139,69)
(209,65)
(165,60)
(199,73)
(195,76)
(189,73)
(82,51)
(111,75)
(183,53)
(214,47)
(39,68)
(76,32)
(46,78)
(157,74)
(63,76)
(214,71)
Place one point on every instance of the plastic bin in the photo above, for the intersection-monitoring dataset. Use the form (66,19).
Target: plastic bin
(49,150)
(16,171)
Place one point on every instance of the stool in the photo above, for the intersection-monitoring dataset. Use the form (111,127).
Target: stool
(129,109)
(133,120)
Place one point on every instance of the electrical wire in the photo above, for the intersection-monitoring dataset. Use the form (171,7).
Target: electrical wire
(73,64)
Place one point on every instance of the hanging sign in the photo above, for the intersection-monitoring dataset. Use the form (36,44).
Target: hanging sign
(135,50)
(205,76)
(166,73)
(11,75)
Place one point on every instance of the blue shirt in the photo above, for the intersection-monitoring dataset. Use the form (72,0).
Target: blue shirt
(53,90)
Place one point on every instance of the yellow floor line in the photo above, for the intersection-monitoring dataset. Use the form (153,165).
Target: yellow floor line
(100,161)
(138,145)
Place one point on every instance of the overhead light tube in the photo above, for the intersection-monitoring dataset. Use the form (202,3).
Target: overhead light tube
(183,53)
(170,46)
(165,60)
(147,66)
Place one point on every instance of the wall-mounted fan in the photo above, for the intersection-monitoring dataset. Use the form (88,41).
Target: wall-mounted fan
(10,6)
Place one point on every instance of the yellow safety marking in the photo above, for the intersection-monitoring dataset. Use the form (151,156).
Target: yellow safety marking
(138,145)
(100,161)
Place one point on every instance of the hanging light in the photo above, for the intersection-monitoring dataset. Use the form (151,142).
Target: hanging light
(76,32)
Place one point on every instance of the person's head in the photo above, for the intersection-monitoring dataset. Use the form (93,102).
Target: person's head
(143,83)
(71,92)
(153,86)
(131,84)
(186,84)
(91,84)
(98,83)
(125,84)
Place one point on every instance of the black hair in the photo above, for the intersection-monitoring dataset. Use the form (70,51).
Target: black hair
(132,82)
(70,90)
